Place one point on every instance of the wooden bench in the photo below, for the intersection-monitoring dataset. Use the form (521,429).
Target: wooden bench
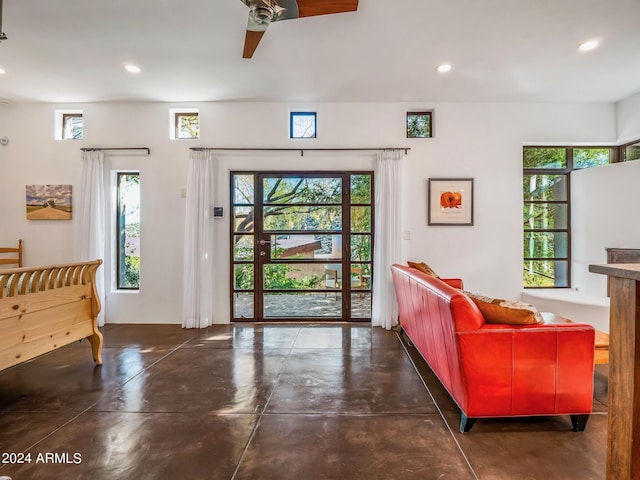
(602,339)
(45,308)
(11,256)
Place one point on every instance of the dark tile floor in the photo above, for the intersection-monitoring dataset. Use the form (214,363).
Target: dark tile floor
(268,402)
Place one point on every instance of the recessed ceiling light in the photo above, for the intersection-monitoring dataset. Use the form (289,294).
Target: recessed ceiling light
(132,68)
(589,45)
(445,67)
(2,71)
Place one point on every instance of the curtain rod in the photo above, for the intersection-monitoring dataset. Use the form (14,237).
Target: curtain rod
(301,150)
(95,149)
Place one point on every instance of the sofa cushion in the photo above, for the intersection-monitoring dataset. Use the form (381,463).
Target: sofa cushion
(424,268)
(508,312)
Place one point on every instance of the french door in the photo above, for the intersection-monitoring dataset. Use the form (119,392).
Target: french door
(301,246)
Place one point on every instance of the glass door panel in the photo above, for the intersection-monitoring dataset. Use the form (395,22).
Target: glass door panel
(361,305)
(361,219)
(324,306)
(243,275)
(292,276)
(360,186)
(243,189)
(243,306)
(305,190)
(361,247)
(243,219)
(294,247)
(243,247)
(302,217)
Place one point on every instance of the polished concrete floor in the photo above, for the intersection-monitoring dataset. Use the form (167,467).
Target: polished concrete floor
(268,402)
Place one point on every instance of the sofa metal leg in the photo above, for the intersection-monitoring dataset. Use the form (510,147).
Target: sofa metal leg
(579,422)
(466,423)
(403,334)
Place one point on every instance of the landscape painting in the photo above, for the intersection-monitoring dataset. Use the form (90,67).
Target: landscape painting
(48,202)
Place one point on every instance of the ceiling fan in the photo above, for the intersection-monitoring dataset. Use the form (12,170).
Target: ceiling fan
(264,12)
(2,35)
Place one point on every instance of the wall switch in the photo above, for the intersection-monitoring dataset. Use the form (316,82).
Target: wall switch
(406,235)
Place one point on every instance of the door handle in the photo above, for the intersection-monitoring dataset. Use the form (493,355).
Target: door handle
(265,242)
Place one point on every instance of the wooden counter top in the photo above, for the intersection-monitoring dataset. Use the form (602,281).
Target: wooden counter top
(622,270)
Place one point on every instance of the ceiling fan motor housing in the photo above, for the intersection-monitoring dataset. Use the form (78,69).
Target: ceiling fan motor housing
(262,13)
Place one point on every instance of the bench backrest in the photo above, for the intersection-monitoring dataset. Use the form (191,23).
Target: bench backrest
(11,256)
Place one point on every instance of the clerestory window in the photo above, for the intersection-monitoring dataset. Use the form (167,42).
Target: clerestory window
(187,125)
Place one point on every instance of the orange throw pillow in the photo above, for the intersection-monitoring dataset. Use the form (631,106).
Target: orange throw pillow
(424,268)
(506,312)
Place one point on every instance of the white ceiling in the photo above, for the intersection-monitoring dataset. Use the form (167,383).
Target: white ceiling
(190,50)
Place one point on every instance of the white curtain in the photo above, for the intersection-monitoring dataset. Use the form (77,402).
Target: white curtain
(197,307)
(388,236)
(89,213)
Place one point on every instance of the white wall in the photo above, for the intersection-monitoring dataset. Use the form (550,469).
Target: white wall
(606,205)
(483,141)
(628,119)
(605,208)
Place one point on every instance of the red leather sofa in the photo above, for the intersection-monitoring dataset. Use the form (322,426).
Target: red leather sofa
(495,370)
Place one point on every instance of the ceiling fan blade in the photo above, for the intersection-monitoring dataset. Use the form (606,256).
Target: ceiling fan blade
(286,9)
(310,8)
(251,41)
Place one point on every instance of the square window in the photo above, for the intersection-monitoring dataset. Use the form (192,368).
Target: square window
(187,125)
(302,125)
(72,126)
(419,125)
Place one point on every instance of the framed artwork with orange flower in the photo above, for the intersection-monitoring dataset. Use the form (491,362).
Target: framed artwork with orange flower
(450,201)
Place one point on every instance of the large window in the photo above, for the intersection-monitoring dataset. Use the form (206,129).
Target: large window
(128,230)
(547,210)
